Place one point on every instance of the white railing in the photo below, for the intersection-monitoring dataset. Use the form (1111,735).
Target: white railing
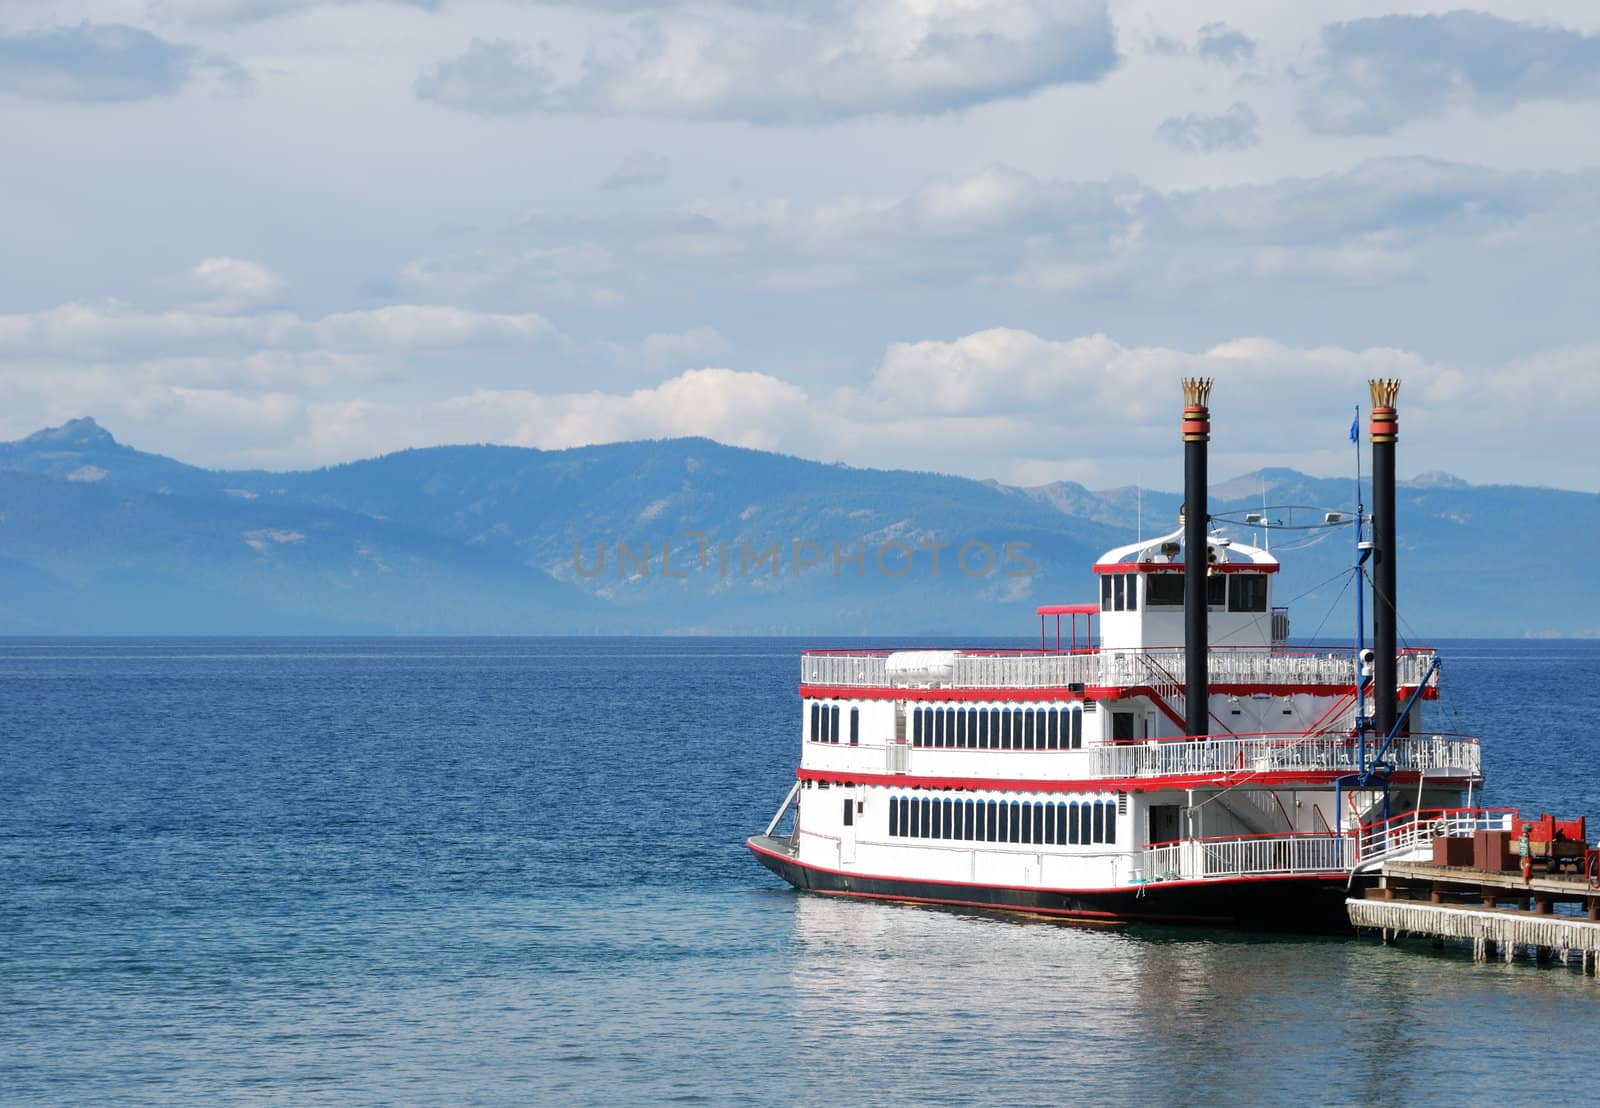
(1231,760)
(1408,835)
(1247,856)
(853,670)
(1435,753)
(1118,668)
(1412,833)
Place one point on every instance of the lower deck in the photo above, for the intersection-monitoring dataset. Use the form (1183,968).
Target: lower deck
(1289,902)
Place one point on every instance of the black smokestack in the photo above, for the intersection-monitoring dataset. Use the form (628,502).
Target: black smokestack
(1196,433)
(1384,429)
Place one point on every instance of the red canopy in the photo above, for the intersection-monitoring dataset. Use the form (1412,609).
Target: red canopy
(1068,610)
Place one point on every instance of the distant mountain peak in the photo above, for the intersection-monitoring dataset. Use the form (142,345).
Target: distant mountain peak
(1436,479)
(84,432)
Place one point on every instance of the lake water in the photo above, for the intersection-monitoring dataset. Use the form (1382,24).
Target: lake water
(511,870)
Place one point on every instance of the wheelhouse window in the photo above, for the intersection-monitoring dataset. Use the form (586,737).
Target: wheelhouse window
(855,726)
(1247,592)
(1217,591)
(1163,590)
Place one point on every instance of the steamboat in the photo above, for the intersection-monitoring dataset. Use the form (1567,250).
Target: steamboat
(1186,764)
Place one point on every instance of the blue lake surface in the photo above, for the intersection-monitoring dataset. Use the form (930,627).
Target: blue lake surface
(494,870)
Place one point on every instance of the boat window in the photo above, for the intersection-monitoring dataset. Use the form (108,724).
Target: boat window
(1163,590)
(948,822)
(1133,592)
(855,726)
(1111,822)
(1105,592)
(1084,823)
(950,726)
(991,821)
(966,822)
(1216,590)
(1054,740)
(1038,823)
(834,737)
(972,726)
(1015,827)
(1247,592)
(994,728)
(1026,828)
(916,727)
(1050,824)
(1077,728)
(849,812)
(938,727)
(905,817)
(957,810)
(1099,822)
(894,816)
(1072,824)
(1118,599)
(816,711)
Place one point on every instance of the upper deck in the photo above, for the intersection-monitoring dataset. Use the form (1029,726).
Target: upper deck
(1252,668)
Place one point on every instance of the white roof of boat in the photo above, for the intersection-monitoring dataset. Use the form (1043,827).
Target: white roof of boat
(1151,551)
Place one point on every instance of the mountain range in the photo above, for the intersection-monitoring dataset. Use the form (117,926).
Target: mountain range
(689,535)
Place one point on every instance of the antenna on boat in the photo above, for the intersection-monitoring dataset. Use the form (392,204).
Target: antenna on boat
(1138,499)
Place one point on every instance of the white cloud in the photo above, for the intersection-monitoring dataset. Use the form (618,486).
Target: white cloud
(775,65)
(88,332)
(640,169)
(231,12)
(1000,402)
(1374,75)
(97,63)
(1234,129)
(232,284)
(1227,45)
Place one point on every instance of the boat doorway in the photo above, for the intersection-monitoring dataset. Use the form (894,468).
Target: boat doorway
(847,833)
(1166,822)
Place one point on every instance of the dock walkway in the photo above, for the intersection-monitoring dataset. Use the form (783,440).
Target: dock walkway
(1495,911)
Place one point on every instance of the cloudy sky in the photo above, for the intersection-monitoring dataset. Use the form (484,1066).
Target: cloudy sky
(978,236)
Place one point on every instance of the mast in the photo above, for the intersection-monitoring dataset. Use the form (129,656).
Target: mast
(1196,516)
(1384,430)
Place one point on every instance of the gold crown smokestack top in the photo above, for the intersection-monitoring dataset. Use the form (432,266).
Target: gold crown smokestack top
(1383,430)
(1196,521)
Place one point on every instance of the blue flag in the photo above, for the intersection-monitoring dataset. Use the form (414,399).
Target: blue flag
(1355,435)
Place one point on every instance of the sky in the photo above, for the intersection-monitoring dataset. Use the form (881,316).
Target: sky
(981,237)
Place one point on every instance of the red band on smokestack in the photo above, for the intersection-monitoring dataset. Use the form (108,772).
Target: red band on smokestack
(1385,425)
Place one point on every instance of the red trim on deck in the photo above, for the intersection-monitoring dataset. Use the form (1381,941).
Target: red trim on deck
(1091,784)
(1090,692)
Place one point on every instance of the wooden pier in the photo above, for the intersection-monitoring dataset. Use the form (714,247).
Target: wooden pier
(1495,911)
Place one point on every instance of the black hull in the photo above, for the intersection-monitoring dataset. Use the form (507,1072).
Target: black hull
(1305,904)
